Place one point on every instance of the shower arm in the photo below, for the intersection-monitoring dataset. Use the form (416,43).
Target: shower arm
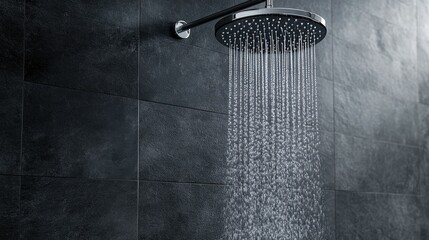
(182,29)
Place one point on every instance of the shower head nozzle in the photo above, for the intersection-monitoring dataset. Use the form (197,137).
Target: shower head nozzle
(256,28)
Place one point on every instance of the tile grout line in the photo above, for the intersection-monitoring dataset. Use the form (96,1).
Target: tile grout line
(421,140)
(334,130)
(125,97)
(138,119)
(190,183)
(422,158)
(197,183)
(22,118)
(190,108)
(114,179)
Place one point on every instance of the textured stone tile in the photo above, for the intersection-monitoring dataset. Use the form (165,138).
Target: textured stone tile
(61,208)
(422,23)
(423,51)
(371,166)
(370,114)
(11,38)
(376,216)
(423,111)
(10,125)
(9,207)
(328,223)
(179,144)
(183,75)
(123,13)
(360,67)
(158,18)
(424,217)
(324,57)
(381,36)
(424,175)
(11,45)
(423,70)
(326,105)
(79,52)
(69,133)
(401,13)
(180,211)
(327,156)
(383,60)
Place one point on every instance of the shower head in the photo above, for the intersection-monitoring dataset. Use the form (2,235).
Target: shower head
(262,28)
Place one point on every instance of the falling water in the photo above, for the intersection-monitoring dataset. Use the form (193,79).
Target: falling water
(274,189)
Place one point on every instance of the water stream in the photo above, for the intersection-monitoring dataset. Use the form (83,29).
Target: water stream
(274,188)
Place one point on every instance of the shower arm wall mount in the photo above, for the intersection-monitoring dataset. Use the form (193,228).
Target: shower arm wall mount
(182,29)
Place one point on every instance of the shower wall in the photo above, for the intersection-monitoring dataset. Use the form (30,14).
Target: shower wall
(112,129)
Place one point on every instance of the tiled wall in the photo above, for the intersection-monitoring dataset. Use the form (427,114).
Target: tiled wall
(112,129)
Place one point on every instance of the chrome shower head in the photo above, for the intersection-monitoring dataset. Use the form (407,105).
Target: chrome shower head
(257,28)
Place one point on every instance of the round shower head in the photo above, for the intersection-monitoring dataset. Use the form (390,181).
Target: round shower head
(267,27)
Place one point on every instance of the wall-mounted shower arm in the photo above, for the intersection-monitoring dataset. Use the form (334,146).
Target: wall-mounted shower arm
(183,29)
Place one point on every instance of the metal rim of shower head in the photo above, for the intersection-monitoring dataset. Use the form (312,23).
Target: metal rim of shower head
(235,23)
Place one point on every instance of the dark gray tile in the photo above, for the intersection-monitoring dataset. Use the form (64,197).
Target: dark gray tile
(10,125)
(9,207)
(324,57)
(328,224)
(424,125)
(424,175)
(11,38)
(377,216)
(326,105)
(183,75)
(327,156)
(425,217)
(422,23)
(158,18)
(11,44)
(61,208)
(362,68)
(179,144)
(396,41)
(401,13)
(123,13)
(80,53)
(372,166)
(384,60)
(70,133)
(423,51)
(180,211)
(370,114)
(423,70)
